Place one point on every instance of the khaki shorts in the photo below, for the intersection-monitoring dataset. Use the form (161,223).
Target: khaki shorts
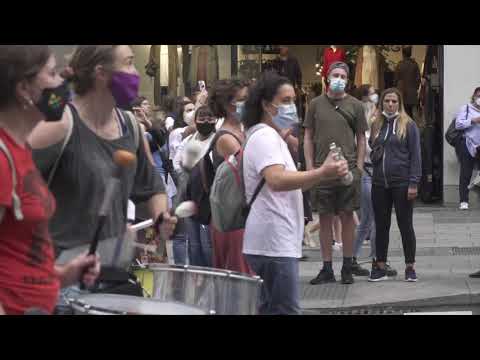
(337,199)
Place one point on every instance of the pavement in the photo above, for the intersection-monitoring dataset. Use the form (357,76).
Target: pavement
(448,250)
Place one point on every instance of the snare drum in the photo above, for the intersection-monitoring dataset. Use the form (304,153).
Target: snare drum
(105,304)
(224,292)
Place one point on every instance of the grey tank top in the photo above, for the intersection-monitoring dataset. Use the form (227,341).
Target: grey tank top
(80,181)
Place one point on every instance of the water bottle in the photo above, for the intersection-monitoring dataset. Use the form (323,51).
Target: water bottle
(347,180)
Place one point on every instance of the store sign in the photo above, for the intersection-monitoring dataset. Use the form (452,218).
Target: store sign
(257,49)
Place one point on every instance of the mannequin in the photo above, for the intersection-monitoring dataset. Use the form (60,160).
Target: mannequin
(368,67)
(331,55)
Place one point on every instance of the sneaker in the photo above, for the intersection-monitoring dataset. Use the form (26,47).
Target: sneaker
(410,275)
(464,206)
(347,276)
(357,270)
(324,277)
(377,275)
(391,272)
(475,275)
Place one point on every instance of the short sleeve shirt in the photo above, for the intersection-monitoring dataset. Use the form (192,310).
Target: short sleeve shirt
(276,222)
(329,126)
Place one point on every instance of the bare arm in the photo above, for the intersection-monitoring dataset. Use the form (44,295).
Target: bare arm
(157,205)
(2,312)
(146,145)
(189,131)
(50,133)
(308,148)
(227,145)
(279,179)
(361,150)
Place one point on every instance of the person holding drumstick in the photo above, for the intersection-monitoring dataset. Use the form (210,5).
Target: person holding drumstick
(105,80)
(31,90)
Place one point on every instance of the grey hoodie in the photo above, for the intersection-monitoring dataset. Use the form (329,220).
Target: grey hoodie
(401,165)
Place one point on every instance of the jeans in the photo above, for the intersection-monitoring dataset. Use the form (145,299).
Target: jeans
(199,244)
(467,163)
(367,223)
(281,287)
(180,249)
(383,199)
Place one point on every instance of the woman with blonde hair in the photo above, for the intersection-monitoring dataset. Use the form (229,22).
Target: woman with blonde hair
(397,170)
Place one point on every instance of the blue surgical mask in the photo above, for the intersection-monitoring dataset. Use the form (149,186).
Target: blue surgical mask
(287,116)
(338,85)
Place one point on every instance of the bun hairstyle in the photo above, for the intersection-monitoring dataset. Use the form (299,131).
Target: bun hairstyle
(18,63)
(81,71)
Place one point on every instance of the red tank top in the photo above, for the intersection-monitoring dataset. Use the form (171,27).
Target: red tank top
(27,276)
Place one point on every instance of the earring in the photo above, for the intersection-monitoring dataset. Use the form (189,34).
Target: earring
(29,102)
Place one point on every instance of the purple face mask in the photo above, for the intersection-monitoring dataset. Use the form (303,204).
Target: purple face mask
(124,88)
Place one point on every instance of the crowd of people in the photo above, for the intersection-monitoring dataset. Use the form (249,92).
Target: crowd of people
(380,146)
(58,138)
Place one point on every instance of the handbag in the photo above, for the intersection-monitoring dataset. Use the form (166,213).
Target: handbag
(378,150)
(453,135)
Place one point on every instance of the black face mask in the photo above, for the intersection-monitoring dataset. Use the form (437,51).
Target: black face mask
(205,129)
(53,101)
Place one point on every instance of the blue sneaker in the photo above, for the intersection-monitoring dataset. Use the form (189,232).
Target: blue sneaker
(410,275)
(377,275)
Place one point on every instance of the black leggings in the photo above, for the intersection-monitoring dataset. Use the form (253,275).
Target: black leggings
(383,199)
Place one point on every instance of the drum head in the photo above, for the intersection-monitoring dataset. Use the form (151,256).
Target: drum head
(130,305)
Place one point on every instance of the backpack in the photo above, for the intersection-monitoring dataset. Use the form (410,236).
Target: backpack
(17,205)
(453,135)
(228,202)
(200,182)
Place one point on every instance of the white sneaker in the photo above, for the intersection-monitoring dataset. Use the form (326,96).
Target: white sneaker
(338,246)
(475,182)
(464,206)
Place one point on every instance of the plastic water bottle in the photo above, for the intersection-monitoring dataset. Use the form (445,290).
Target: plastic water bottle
(347,180)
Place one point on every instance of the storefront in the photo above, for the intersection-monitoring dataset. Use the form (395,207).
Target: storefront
(453,74)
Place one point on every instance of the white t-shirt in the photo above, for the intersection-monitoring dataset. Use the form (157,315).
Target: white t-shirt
(169,123)
(275,225)
(191,144)
(174,141)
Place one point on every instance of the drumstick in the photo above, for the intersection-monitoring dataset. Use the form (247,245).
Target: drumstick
(122,160)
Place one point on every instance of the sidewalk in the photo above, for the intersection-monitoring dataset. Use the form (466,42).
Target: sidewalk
(448,250)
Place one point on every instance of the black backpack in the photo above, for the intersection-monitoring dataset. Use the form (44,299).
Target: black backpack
(453,135)
(200,182)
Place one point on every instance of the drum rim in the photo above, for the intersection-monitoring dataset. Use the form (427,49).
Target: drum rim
(199,270)
(79,305)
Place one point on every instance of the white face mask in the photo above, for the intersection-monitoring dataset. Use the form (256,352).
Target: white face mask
(390,116)
(477,101)
(189,117)
(374,98)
